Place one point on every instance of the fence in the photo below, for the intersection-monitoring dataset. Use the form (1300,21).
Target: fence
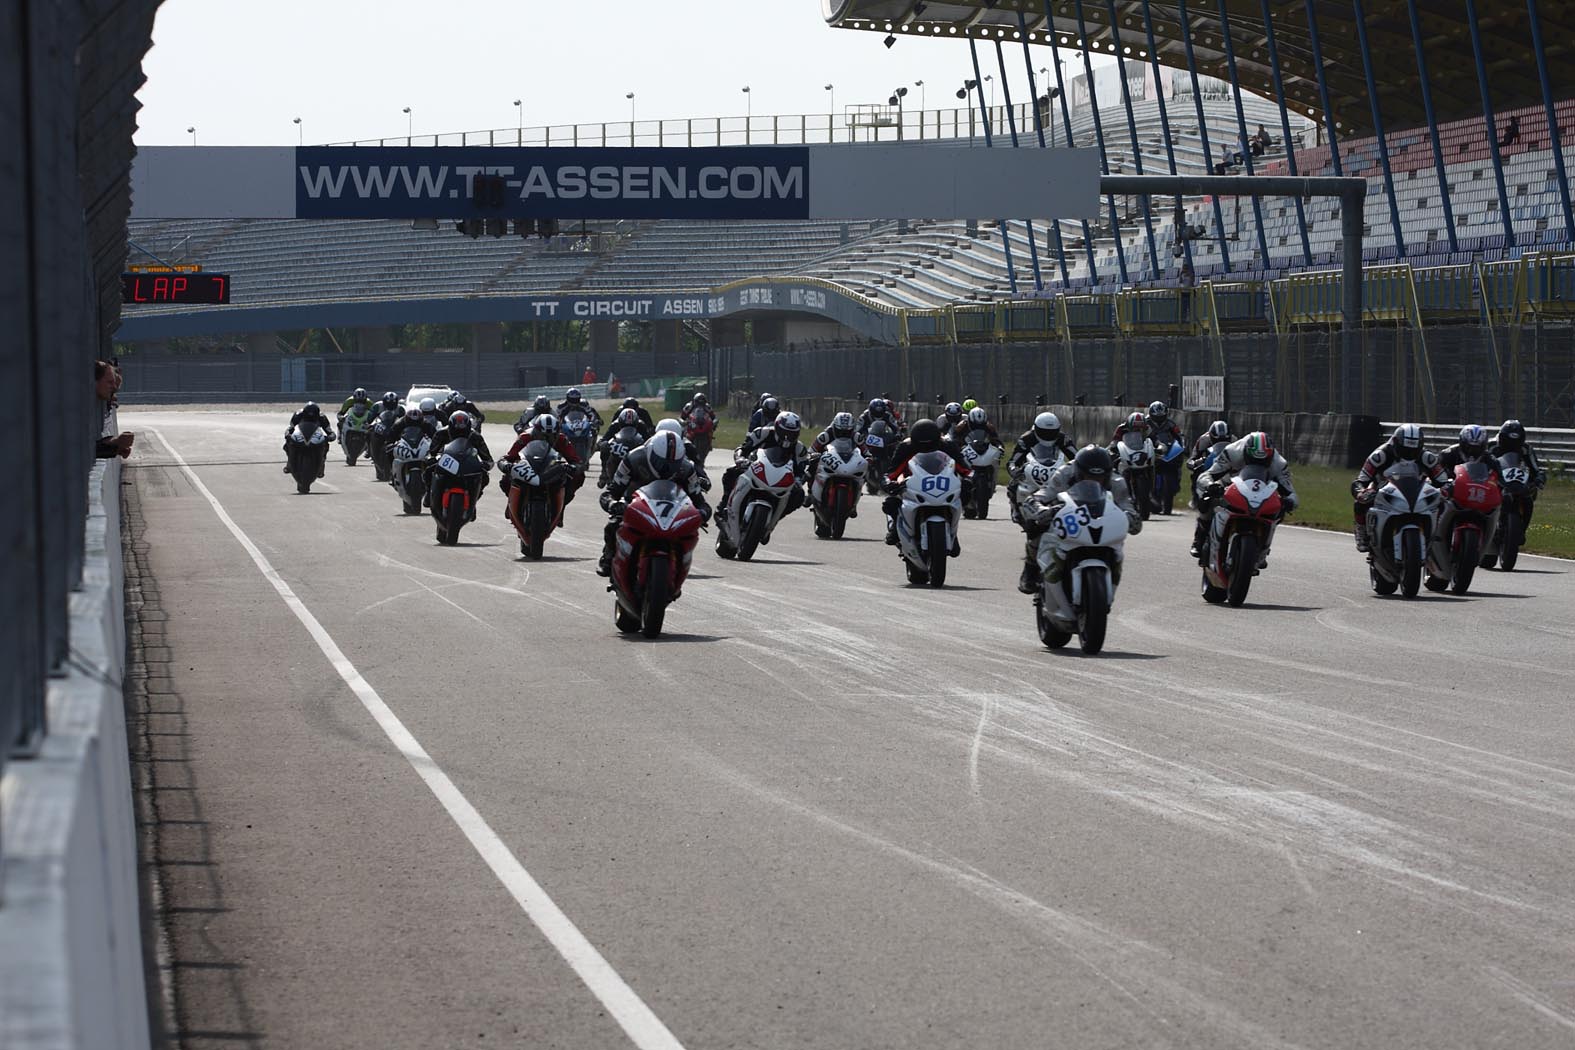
(1462,373)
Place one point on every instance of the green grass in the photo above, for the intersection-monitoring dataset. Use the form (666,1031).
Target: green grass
(1325,494)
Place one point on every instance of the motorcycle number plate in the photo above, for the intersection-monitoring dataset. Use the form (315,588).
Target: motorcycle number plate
(403,452)
(935,483)
(970,453)
(448,463)
(1515,475)
(875,441)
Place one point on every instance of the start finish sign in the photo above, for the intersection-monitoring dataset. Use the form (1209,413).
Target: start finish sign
(915,181)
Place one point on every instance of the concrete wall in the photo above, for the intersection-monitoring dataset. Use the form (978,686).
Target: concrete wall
(71,964)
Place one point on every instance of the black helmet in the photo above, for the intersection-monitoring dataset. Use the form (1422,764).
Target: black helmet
(311,411)
(1512,434)
(391,399)
(770,407)
(877,406)
(1093,464)
(459,423)
(1157,410)
(543,404)
(926,436)
(631,402)
(573,394)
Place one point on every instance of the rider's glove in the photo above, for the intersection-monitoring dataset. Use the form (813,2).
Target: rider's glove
(1290,503)
(895,488)
(705,484)
(607,502)
(1356,489)
(705,514)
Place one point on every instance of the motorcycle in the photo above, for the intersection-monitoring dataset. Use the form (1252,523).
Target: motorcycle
(353,432)
(1400,526)
(1507,539)
(982,454)
(409,460)
(1239,538)
(758,501)
(1079,567)
(931,512)
(624,441)
(880,444)
(536,495)
(1168,458)
(1134,455)
(1465,523)
(308,452)
(835,487)
(651,557)
(580,429)
(700,431)
(1033,474)
(379,446)
(459,474)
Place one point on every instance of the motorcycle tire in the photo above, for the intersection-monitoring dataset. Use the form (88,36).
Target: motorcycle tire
(839,525)
(1243,565)
(658,587)
(1509,551)
(626,621)
(1091,620)
(724,549)
(451,522)
(536,525)
(754,529)
(916,576)
(940,550)
(412,503)
(1212,594)
(1381,584)
(1410,564)
(1143,497)
(1466,561)
(1051,635)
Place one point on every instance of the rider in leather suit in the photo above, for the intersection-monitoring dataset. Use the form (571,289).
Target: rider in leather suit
(661,457)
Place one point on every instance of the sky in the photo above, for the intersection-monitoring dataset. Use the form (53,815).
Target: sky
(240,71)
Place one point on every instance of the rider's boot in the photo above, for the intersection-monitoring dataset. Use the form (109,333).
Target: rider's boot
(1028,582)
(1361,537)
(1199,538)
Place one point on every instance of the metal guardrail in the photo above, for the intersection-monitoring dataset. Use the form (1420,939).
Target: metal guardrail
(1555,447)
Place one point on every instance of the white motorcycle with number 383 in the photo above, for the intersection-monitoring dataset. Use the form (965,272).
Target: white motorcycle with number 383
(1080,557)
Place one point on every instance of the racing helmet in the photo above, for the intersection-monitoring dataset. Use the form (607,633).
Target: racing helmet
(770,407)
(359,393)
(390,399)
(1219,430)
(1473,440)
(574,394)
(925,436)
(628,418)
(1407,441)
(1137,421)
(1092,463)
(970,404)
(542,404)
(459,423)
(428,406)
(663,453)
(954,411)
(631,402)
(766,395)
(544,425)
(671,426)
(877,406)
(1157,410)
(977,417)
(841,425)
(1512,435)
(1047,426)
(455,398)
(787,427)
(1257,448)
(412,414)
(311,411)
(700,399)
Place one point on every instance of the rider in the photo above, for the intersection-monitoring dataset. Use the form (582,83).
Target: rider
(1090,463)
(414,418)
(541,406)
(429,412)
(1046,430)
(1512,438)
(842,427)
(1471,448)
(1212,440)
(623,419)
(950,417)
(1404,445)
(458,428)
(1253,450)
(766,412)
(673,426)
(647,425)
(783,433)
(545,428)
(309,413)
(661,458)
(357,397)
(574,397)
(925,437)
(1161,427)
(880,409)
(969,404)
(698,412)
(457,402)
(977,419)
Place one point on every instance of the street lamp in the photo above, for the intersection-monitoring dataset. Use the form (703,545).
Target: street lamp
(519,120)
(749,106)
(920,85)
(989,78)
(300,133)
(192,131)
(896,98)
(410,125)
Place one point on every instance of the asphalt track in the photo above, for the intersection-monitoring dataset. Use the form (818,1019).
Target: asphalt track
(829,809)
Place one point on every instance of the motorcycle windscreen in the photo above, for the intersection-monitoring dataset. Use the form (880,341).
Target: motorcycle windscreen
(843,448)
(460,450)
(777,456)
(664,502)
(1254,472)
(1091,494)
(930,462)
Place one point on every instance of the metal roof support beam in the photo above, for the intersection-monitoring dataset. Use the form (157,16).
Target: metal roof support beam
(1285,125)
(1066,118)
(1432,123)
(1323,88)
(1353,200)
(1011,123)
(1039,129)
(1099,136)
(1378,124)
(1553,120)
(1164,124)
(978,90)
(1241,122)
(1492,124)
(1137,150)
(1203,126)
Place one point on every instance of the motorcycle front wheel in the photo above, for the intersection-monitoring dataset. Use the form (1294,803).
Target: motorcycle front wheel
(452,520)
(658,588)
(1096,610)
(1410,563)
(1509,550)
(1242,567)
(940,549)
(1466,561)
(754,528)
(536,525)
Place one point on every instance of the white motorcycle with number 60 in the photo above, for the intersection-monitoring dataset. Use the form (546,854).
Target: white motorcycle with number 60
(928,520)
(1080,558)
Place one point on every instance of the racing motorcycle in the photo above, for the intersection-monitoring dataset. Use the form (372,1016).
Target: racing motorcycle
(1033,474)
(1465,523)
(379,443)
(409,459)
(459,475)
(1079,566)
(580,429)
(700,431)
(651,557)
(1400,526)
(622,442)
(1134,456)
(931,512)
(353,432)
(1507,539)
(1168,459)
(982,454)
(308,451)
(536,496)
(835,487)
(758,501)
(880,444)
(1239,538)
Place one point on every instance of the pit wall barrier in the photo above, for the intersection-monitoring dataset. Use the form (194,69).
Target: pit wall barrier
(1303,437)
(71,962)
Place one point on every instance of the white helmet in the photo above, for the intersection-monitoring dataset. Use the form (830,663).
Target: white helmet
(1047,426)
(671,426)
(977,417)
(546,423)
(428,406)
(664,452)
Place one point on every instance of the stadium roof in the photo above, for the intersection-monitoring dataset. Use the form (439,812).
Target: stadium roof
(1451,66)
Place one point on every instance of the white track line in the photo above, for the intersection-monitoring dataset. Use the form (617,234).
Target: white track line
(643,1027)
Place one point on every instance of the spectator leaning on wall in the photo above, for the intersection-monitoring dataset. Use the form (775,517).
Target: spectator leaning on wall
(106,384)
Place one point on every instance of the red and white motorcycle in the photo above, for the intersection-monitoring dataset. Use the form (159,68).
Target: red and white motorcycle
(758,501)
(651,556)
(1241,534)
(836,486)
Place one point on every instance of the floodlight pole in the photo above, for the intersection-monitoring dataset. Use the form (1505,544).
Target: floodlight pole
(1353,198)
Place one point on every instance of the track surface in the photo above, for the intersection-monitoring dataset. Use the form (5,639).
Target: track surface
(831,810)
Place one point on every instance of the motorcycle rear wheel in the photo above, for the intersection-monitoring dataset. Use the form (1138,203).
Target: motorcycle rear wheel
(1509,551)
(1051,635)
(1091,620)
(1242,567)
(1381,584)
(536,525)
(939,551)
(658,587)
(1410,564)
(1466,561)
(1212,594)
(754,529)
(626,621)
